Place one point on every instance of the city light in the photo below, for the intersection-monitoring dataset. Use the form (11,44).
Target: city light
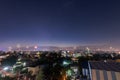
(65,63)
(5,68)
(24,64)
(35,47)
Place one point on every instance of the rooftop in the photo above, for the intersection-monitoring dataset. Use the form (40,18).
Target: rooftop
(109,66)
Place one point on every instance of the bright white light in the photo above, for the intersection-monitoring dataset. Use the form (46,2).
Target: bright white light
(19,59)
(6,68)
(68,51)
(24,64)
(65,63)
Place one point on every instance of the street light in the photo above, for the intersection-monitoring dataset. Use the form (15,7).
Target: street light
(5,68)
(66,63)
(24,64)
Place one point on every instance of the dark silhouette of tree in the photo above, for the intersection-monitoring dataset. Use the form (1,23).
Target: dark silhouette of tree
(10,61)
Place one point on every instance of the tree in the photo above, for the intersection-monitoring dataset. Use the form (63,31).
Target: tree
(11,60)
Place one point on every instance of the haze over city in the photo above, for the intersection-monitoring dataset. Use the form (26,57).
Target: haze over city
(59,22)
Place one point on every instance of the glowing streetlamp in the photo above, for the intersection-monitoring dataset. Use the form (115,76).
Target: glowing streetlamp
(5,68)
(66,63)
(24,64)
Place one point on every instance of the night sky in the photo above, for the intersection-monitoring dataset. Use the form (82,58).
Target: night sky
(59,22)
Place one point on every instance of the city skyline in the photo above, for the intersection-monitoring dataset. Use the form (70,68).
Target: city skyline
(59,23)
